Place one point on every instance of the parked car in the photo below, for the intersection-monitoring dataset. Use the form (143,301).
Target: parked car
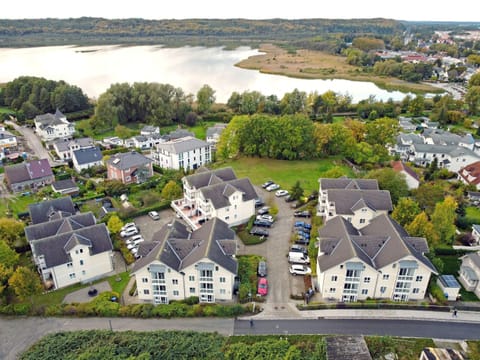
(129,232)
(263,223)
(298,258)
(258,231)
(298,248)
(262,268)
(265,217)
(288,198)
(298,269)
(267,184)
(299,224)
(138,241)
(273,187)
(134,251)
(264,210)
(300,240)
(131,246)
(303,234)
(128,225)
(307,226)
(259,202)
(281,193)
(304,213)
(154,215)
(262,288)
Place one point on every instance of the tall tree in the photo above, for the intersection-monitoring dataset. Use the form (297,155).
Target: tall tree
(114,224)
(205,99)
(11,231)
(296,192)
(5,273)
(405,211)
(171,191)
(8,256)
(392,181)
(443,219)
(422,227)
(25,283)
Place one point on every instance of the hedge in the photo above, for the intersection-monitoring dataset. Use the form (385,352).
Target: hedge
(144,211)
(372,305)
(449,251)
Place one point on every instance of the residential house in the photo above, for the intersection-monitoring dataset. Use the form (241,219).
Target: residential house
(470,272)
(442,137)
(64,148)
(406,124)
(178,134)
(179,264)
(470,174)
(214,132)
(8,141)
(29,175)
(65,187)
(476,233)
(51,210)
(149,130)
(411,177)
(450,157)
(71,249)
(187,153)
(130,167)
(474,197)
(114,140)
(357,200)
(404,144)
(86,158)
(53,126)
(141,142)
(379,261)
(216,193)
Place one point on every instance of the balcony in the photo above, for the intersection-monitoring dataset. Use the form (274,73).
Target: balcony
(188,213)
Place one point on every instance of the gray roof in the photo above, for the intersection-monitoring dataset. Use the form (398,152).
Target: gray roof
(217,129)
(51,209)
(87,155)
(182,145)
(442,137)
(218,194)
(64,185)
(59,226)
(347,201)
(55,248)
(409,138)
(347,183)
(179,133)
(64,145)
(475,258)
(178,248)
(205,177)
(128,160)
(451,150)
(47,120)
(476,228)
(378,244)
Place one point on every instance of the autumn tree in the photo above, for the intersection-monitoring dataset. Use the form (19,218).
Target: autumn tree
(172,191)
(5,273)
(114,224)
(8,256)
(443,219)
(25,283)
(11,231)
(389,179)
(405,211)
(422,227)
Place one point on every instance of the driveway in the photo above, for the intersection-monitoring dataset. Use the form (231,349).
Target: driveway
(148,227)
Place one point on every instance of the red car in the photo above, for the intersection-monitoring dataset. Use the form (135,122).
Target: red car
(262,286)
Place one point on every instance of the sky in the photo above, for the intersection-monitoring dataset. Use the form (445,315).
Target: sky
(426,10)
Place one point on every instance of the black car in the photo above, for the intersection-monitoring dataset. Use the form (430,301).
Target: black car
(259,202)
(262,223)
(301,240)
(258,231)
(304,213)
(262,268)
(298,248)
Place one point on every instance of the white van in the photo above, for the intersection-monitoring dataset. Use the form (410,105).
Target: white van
(298,258)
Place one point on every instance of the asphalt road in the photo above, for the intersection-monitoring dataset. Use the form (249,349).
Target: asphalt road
(454,330)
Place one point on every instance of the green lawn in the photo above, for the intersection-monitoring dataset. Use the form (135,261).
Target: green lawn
(18,204)
(119,282)
(452,267)
(4,110)
(285,172)
(473,214)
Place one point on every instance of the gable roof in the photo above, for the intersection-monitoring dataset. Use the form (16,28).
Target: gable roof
(218,193)
(348,201)
(399,166)
(380,243)
(87,155)
(65,144)
(181,145)
(128,160)
(64,185)
(205,177)
(347,183)
(51,209)
(451,150)
(46,120)
(176,247)
(26,171)
(471,173)
(55,248)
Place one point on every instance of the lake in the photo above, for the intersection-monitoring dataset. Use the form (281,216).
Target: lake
(95,68)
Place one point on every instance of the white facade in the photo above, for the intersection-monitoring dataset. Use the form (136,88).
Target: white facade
(160,284)
(185,153)
(56,127)
(470,272)
(83,267)
(448,157)
(353,280)
(7,140)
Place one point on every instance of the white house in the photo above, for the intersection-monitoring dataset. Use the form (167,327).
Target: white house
(449,286)
(64,148)
(7,141)
(70,249)
(186,153)
(149,130)
(53,126)
(470,272)
(356,200)
(470,174)
(476,233)
(450,157)
(214,132)
(411,177)
(216,193)
(378,261)
(86,158)
(179,264)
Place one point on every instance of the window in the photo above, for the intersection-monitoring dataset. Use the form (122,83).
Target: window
(81,251)
(222,279)
(383,289)
(144,280)
(175,281)
(191,278)
(364,291)
(128,178)
(223,291)
(69,265)
(364,210)
(419,278)
(176,293)
(416,290)
(227,209)
(227,217)
(332,290)
(334,277)
(362,221)
(146,292)
(366,280)
(192,290)
(81,262)
(386,276)
(83,272)
(72,275)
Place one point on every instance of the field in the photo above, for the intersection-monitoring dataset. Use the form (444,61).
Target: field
(311,64)
(284,172)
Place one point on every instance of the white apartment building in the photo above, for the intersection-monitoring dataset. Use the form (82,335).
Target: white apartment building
(186,153)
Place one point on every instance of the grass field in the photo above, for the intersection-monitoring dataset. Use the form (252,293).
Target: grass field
(473,214)
(285,172)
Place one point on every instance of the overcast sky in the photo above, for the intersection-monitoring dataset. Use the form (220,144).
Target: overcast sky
(429,10)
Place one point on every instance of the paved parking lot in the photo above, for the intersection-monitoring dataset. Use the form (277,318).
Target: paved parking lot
(148,226)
